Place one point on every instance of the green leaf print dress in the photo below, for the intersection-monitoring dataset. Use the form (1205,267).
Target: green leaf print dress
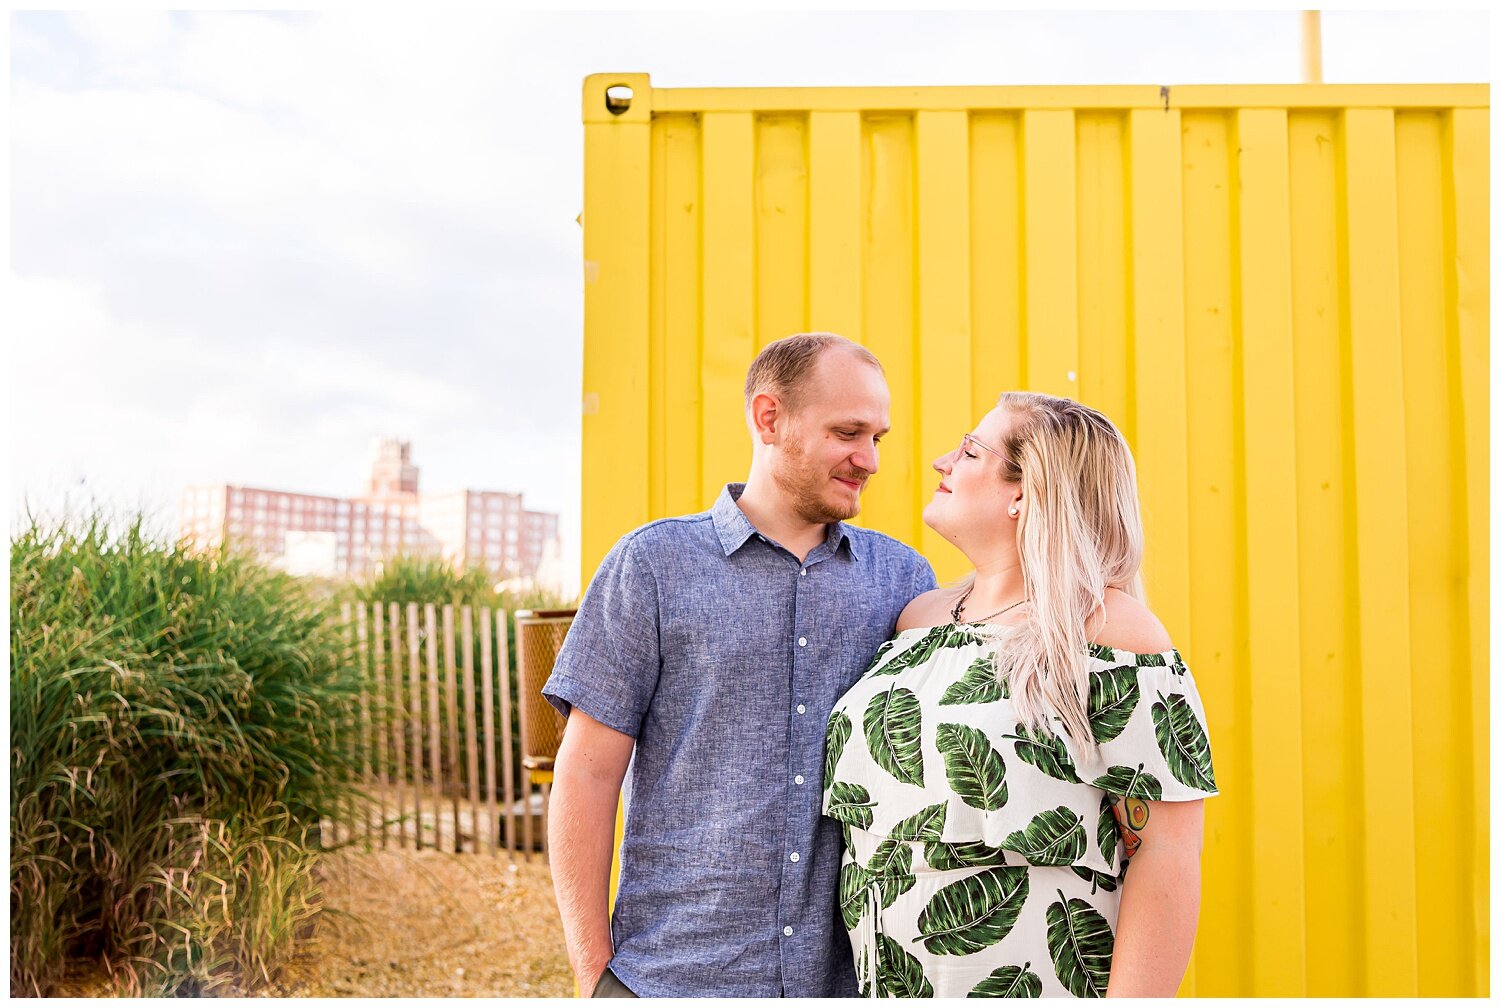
(982,859)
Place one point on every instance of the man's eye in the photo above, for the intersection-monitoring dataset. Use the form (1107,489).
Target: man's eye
(845,434)
(877,438)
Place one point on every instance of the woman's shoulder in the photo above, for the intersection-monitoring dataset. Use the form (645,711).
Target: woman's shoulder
(931,608)
(1128,624)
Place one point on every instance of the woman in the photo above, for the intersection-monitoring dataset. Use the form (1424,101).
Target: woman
(1025,735)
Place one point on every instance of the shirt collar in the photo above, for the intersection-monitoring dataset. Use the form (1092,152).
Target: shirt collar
(734,528)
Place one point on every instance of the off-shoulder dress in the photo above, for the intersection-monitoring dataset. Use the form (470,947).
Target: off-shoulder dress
(982,860)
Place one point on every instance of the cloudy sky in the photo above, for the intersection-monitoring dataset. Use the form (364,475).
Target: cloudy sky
(243,245)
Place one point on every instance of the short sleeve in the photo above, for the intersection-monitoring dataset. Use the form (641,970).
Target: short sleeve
(922,577)
(610,661)
(1148,719)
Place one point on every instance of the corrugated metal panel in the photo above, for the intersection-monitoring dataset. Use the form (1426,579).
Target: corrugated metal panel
(1279,293)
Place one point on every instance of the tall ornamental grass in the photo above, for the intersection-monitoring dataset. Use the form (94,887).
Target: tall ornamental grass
(423,579)
(178,727)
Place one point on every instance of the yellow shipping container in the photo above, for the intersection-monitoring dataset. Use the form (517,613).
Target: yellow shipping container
(1281,295)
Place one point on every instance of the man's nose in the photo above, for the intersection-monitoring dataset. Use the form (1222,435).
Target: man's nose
(867,457)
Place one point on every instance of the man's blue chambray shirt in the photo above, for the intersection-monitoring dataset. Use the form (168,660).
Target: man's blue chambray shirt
(722,656)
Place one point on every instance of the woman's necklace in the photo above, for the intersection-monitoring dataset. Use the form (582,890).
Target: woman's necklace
(958,609)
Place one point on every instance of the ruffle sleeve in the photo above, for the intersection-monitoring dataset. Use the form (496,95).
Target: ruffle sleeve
(1148,722)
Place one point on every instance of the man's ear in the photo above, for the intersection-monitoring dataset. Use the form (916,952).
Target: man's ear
(766,418)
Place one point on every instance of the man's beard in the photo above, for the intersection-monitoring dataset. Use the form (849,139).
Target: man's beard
(805,487)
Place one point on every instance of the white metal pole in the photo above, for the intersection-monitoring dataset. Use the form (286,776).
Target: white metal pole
(1312,47)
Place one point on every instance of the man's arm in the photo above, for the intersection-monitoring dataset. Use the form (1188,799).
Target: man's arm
(590,766)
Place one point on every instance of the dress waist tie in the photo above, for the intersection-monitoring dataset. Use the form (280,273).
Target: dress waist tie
(869,927)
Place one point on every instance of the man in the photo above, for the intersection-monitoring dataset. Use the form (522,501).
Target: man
(712,647)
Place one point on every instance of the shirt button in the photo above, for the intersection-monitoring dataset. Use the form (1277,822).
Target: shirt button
(801,709)
(802,642)
(798,779)
(796,857)
(787,931)
(804,572)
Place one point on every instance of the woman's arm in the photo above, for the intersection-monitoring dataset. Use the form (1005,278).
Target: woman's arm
(1159,901)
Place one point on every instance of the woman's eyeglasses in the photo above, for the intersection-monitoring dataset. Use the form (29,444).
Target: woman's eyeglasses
(970,439)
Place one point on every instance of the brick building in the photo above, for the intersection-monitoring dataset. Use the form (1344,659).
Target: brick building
(346,537)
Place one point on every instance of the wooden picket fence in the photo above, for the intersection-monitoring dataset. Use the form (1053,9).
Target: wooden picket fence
(441,766)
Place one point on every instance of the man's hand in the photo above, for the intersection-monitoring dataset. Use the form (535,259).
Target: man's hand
(586,781)
(588,977)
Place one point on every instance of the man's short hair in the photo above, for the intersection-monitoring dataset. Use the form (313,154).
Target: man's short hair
(784,366)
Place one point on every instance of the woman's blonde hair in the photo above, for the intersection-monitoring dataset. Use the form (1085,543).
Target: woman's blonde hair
(1079,533)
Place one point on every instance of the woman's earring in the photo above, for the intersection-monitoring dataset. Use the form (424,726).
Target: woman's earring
(1014,511)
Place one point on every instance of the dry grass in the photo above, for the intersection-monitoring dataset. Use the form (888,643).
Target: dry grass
(424,924)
